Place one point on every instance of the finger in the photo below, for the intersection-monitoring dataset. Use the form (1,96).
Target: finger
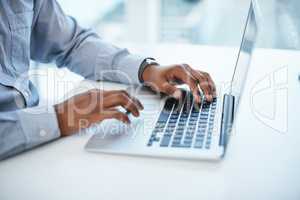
(98,92)
(211,83)
(138,103)
(135,100)
(185,76)
(202,82)
(95,95)
(115,114)
(121,99)
(171,90)
(204,85)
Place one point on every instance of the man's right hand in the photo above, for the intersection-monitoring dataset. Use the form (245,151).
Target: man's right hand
(94,106)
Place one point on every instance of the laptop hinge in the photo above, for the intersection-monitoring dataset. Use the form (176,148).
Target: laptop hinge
(227,119)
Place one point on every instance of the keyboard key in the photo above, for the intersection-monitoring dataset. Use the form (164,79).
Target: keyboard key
(198,144)
(188,137)
(151,140)
(203,119)
(173,121)
(187,143)
(178,137)
(204,115)
(174,117)
(199,139)
(200,135)
(181,145)
(189,134)
(205,111)
(179,132)
(202,128)
(149,144)
(165,140)
(194,115)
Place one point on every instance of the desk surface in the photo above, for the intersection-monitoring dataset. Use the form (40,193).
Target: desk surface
(262,161)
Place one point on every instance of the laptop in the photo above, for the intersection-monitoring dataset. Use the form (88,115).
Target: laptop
(181,128)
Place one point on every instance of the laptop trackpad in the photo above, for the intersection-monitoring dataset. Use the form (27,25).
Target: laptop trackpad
(114,134)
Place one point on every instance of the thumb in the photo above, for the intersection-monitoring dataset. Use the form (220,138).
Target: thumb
(171,90)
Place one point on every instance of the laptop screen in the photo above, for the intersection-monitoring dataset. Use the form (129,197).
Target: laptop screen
(244,56)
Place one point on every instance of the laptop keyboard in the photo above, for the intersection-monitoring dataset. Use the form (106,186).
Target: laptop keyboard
(185,124)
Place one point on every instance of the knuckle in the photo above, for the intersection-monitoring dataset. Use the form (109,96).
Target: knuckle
(130,106)
(166,87)
(93,94)
(205,73)
(93,91)
(185,66)
(201,76)
(122,117)
(211,84)
(123,91)
(192,81)
(122,96)
(204,85)
(180,67)
(118,115)
(192,84)
(189,68)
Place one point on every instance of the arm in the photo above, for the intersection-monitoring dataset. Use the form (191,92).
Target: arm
(27,128)
(58,38)
(24,129)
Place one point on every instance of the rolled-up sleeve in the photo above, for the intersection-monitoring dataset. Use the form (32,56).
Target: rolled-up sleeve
(27,128)
(58,38)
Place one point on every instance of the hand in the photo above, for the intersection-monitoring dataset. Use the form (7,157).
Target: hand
(94,106)
(164,79)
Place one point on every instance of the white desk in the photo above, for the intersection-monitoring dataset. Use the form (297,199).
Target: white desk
(261,162)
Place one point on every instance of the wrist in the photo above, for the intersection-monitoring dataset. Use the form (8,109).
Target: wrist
(149,73)
(60,119)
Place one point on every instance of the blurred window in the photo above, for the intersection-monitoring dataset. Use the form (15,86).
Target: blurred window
(211,22)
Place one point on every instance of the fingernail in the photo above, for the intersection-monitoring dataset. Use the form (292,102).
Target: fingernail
(177,94)
(141,106)
(207,97)
(198,99)
(136,114)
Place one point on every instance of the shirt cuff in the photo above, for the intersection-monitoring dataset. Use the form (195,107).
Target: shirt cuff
(122,67)
(39,125)
(128,68)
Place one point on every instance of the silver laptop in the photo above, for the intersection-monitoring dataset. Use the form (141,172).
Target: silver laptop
(181,128)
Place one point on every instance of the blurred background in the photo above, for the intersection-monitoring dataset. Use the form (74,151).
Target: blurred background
(188,23)
(210,22)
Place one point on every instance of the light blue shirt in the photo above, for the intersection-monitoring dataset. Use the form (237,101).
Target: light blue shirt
(39,30)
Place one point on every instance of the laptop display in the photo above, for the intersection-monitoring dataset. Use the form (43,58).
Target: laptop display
(244,56)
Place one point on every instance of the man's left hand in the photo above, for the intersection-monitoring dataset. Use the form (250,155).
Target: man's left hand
(165,79)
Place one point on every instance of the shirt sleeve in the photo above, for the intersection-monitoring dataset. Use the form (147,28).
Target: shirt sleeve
(24,129)
(58,38)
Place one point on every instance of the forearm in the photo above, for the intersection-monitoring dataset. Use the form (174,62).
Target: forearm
(25,129)
(96,60)
(58,38)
